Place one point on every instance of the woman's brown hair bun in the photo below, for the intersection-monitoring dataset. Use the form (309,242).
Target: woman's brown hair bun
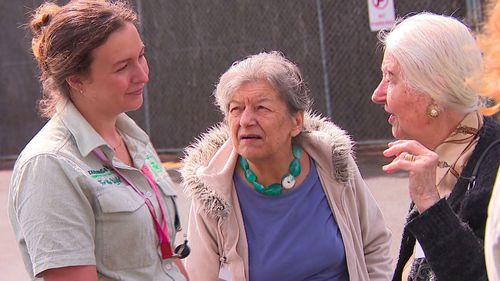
(42,16)
(40,20)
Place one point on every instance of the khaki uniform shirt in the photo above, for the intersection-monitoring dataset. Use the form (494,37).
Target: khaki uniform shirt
(68,209)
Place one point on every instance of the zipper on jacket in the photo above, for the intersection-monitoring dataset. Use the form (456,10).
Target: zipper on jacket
(220,243)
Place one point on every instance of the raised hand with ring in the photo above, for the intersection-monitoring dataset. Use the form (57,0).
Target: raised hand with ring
(408,156)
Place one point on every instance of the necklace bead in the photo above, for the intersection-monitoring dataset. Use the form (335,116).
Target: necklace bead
(288,180)
(250,175)
(295,167)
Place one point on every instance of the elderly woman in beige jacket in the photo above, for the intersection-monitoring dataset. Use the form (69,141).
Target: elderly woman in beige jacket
(276,194)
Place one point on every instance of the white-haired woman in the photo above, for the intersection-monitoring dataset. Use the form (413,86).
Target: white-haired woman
(276,193)
(443,142)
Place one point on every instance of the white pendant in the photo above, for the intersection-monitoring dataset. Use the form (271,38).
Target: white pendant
(288,181)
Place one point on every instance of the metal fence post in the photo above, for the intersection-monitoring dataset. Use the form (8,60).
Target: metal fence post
(147,113)
(326,82)
(474,14)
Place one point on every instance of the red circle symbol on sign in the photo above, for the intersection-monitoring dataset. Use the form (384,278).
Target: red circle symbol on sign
(380,4)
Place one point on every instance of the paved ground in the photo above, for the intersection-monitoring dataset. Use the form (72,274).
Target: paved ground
(389,190)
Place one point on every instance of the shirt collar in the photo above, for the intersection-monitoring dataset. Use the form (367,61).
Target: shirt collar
(86,137)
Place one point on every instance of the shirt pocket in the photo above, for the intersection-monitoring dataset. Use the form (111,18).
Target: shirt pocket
(126,237)
(169,197)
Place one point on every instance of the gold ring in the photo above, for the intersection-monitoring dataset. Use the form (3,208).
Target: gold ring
(409,157)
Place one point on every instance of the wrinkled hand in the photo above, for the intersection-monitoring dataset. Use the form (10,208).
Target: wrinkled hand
(421,164)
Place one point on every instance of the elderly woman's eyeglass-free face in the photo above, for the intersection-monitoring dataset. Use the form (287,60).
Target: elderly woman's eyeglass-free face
(407,109)
(260,123)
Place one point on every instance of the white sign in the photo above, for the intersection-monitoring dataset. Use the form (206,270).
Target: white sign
(381,13)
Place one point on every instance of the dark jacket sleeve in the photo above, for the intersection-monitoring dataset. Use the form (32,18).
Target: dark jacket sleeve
(451,247)
(451,232)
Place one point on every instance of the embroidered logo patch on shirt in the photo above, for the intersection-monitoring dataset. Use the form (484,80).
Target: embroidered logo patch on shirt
(155,166)
(105,176)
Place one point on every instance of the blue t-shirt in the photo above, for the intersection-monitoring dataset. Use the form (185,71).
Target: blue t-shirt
(293,236)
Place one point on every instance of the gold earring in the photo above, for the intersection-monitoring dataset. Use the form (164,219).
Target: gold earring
(433,110)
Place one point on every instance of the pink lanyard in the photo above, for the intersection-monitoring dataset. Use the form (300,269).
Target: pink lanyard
(161,229)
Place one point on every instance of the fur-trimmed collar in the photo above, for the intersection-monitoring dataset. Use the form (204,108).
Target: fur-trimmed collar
(199,154)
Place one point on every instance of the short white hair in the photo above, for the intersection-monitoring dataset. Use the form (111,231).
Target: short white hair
(283,75)
(436,55)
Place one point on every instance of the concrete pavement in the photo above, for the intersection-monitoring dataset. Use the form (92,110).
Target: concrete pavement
(389,190)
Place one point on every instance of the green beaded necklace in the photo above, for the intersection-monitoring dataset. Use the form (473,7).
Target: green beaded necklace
(287,181)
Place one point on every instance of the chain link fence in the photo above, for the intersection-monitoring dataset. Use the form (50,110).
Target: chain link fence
(190,43)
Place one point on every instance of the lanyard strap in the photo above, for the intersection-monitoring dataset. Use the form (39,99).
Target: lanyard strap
(161,229)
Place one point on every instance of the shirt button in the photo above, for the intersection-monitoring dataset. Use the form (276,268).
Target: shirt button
(168,266)
(148,194)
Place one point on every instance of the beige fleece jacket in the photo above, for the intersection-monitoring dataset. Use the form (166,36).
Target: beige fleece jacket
(216,231)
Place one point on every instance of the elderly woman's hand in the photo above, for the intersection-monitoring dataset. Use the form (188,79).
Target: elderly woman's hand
(421,164)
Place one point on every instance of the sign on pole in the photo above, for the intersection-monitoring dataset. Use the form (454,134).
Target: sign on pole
(381,14)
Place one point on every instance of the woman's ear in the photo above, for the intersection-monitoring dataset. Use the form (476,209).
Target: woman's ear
(75,83)
(298,120)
